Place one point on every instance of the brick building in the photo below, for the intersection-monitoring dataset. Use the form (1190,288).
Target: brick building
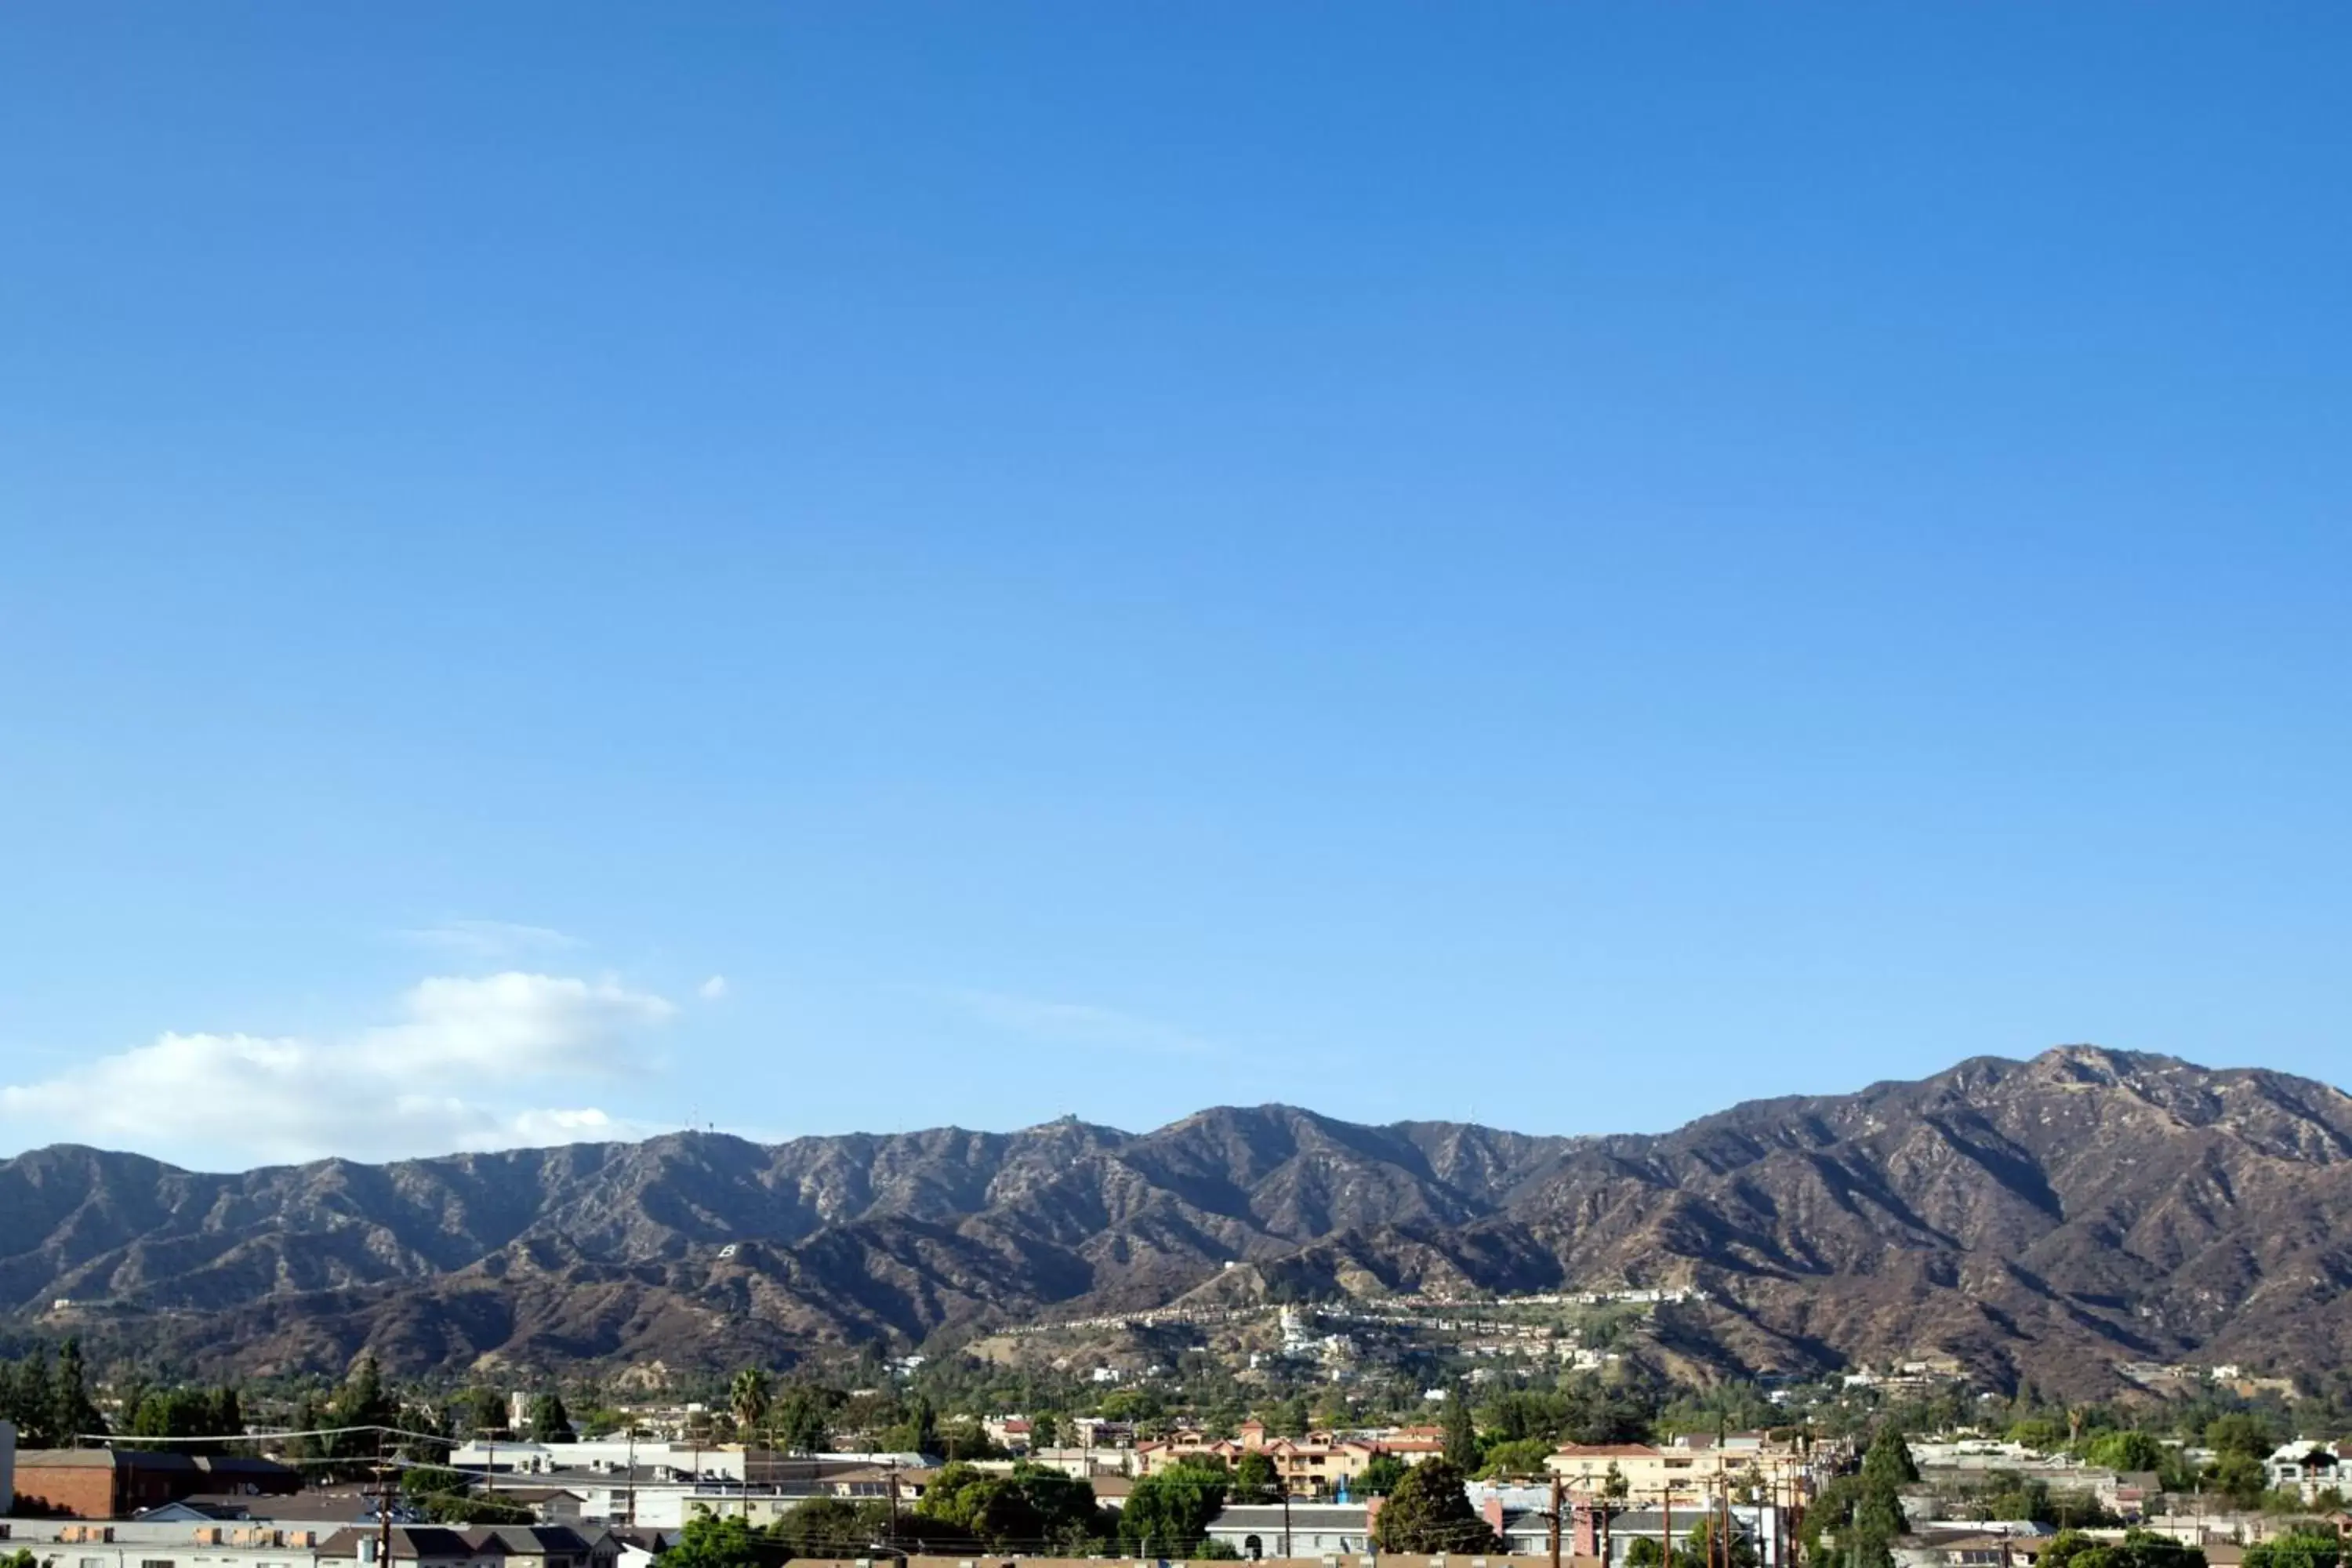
(116,1483)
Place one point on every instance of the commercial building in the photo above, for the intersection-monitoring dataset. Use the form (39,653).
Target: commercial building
(115,1483)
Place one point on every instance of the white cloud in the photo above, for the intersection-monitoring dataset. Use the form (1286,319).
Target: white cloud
(494,941)
(458,1069)
(1076,1023)
(712,989)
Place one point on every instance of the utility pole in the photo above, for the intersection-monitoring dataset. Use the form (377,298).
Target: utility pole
(1285,1517)
(383,1506)
(1557,1499)
(632,1482)
(892,1484)
(1666,1550)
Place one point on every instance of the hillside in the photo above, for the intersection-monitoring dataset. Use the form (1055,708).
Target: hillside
(2048,1218)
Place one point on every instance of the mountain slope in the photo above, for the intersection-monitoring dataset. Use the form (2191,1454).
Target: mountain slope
(2048,1218)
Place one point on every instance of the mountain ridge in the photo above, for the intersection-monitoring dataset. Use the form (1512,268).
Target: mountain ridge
(2048,1218)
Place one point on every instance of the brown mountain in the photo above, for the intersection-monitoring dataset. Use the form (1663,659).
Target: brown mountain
(2049,1219)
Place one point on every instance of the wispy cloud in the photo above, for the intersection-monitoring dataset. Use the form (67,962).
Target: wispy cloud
(1077,1023)
(461,1066)
(712,989)
(491,940)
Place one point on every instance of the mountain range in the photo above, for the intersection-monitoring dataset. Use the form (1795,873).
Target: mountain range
(2051,1219)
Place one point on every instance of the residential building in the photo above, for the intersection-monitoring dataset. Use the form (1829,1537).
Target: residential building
(2306,1468)
(1688,1467)
(116,1483)
(1609,1532)
(492,1546)
(1319,1465)
(1301,1530)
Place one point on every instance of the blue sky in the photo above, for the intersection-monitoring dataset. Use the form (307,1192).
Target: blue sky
(576,568)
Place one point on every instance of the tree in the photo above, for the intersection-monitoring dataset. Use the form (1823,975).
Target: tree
(1168,1513)
(1430,1511)
(728,1542)
(747,1399)
(1644,1553)
(2127,1451)
(2240,1474)
(2301,1547)
(1381,1476)
(485,1412)
(832,1527)
(361,1403)
(1524,1457)
(70,1404)
(2240,1432)
(1030,1508)
(2040,1432)
(1461,1433)
(2138,1549)
(918,1433)
(1703,1547)
(187,1413)
(1853,1519)
(1041,1430)
(801,1422)
(1256,1480)
(550,1422)
(228,1412)
(1888,1461)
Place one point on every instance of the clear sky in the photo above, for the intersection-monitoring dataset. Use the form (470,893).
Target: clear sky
(857,566)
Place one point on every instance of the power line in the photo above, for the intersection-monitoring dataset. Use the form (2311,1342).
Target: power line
(260,1437)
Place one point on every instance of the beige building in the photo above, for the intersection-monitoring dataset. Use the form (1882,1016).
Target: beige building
(1312,1466)
(1687,1469)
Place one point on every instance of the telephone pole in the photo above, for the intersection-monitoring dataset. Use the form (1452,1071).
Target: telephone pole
(1558,1491)
(383,1506)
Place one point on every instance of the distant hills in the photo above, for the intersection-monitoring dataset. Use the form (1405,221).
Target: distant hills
(2049,1218)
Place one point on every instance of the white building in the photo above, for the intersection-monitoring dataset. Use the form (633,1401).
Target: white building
(2306,1469)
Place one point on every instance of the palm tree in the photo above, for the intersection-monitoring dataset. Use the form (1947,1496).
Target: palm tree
(747,1397)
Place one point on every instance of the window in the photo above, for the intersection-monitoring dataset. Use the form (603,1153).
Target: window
(157,1562)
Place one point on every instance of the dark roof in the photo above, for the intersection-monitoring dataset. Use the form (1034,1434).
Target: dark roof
(528,1539)
(651,1537)
(1302,1517)
(1639,1520)
(100,1459)
(189,1511)
(326,1503)
(407,1540)
(239,1468)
